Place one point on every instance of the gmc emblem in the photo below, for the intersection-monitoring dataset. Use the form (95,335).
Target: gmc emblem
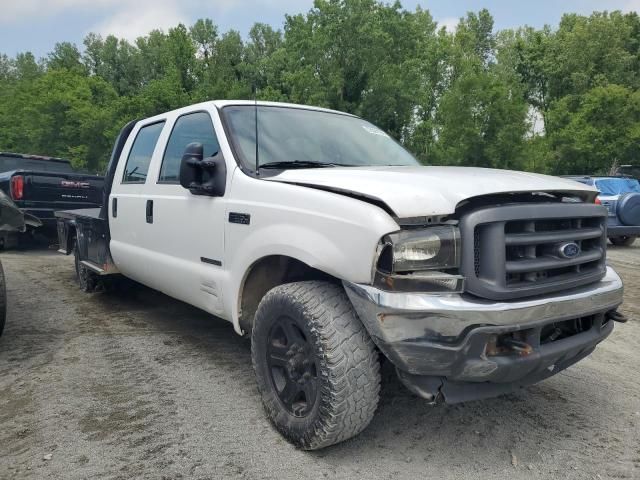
(70,184)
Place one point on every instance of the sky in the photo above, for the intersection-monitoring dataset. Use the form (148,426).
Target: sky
(36,25)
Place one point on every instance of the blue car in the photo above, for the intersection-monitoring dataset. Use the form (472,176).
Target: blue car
(621,196)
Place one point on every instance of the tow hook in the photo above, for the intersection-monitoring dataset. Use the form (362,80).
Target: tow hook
(506,345)
(616,316)
(523,348)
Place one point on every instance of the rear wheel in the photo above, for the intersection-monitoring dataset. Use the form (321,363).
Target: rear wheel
(623,241)
(316,367)
(86,278)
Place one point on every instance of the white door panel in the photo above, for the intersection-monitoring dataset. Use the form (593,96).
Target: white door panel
(180,252)
(131,188)
(188,239)
(150,268)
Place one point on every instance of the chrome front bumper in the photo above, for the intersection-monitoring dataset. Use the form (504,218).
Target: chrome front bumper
(447,335)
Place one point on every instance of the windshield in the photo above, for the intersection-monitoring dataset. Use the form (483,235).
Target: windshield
(304,137)
(617,186)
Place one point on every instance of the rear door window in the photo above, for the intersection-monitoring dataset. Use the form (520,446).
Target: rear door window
(137,166)
(189,128)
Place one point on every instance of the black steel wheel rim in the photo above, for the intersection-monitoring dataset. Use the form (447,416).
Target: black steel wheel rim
(292,367)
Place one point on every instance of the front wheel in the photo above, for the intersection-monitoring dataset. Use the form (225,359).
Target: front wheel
(626,241)
(316,367)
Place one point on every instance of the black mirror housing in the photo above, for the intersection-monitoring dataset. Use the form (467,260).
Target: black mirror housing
(190,158)
(203,176)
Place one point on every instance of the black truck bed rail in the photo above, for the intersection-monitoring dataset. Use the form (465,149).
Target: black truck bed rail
(85,231)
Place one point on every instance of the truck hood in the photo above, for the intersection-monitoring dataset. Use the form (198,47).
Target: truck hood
(425,191)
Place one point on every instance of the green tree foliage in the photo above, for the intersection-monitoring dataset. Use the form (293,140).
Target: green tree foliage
(65,56)
(61,112)
(463,97)
(481,119)
(116,61)
(595,129)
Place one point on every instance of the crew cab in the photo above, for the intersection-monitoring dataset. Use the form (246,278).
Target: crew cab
(621,196)
(41,185)
(320,237)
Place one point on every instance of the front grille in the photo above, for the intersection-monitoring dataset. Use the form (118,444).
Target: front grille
(516,251)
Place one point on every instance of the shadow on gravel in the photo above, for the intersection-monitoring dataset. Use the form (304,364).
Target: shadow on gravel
(147,380)
(534,422)
(31,244)
(405,426)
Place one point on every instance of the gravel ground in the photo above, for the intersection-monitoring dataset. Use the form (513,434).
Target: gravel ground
(137,385)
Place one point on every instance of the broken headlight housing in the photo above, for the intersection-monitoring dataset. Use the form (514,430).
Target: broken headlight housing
(421,260)
(433,248)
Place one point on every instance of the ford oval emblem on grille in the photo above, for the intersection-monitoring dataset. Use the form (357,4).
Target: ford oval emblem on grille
(569,250)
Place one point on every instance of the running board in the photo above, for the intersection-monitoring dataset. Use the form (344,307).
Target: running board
(96,269)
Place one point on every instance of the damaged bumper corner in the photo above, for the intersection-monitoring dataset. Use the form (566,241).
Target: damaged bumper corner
(465,348)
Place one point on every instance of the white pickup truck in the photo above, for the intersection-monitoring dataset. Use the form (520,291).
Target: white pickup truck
(319,236)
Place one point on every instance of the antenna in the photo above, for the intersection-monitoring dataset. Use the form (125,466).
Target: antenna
(255,110)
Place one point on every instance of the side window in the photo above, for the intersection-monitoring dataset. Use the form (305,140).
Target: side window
(135,171)
(193,127)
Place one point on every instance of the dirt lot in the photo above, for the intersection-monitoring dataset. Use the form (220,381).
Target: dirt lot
(140,385)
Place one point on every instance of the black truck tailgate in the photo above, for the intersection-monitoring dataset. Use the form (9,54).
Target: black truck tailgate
(62,188)
(42,193)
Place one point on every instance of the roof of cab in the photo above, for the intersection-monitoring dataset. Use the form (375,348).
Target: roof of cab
(226,103)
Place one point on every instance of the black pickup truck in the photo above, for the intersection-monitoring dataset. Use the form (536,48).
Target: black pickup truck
(41,185)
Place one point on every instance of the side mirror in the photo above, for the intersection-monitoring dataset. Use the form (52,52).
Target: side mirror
(203,176)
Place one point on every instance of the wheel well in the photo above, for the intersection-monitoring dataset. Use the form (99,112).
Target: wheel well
(267,273)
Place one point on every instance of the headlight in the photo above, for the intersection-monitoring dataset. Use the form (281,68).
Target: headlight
(432,248)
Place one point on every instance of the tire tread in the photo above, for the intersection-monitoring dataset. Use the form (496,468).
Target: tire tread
(349,363)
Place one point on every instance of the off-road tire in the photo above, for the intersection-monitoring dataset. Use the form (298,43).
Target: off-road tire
(346,363)
(623,241)
(85,277)
(3,300)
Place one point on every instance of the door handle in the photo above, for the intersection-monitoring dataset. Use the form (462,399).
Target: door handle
(114,207)
(149,211)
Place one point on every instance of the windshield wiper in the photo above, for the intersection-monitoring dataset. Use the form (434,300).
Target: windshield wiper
(301,164)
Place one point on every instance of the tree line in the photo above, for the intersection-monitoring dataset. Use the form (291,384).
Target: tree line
(555,100)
